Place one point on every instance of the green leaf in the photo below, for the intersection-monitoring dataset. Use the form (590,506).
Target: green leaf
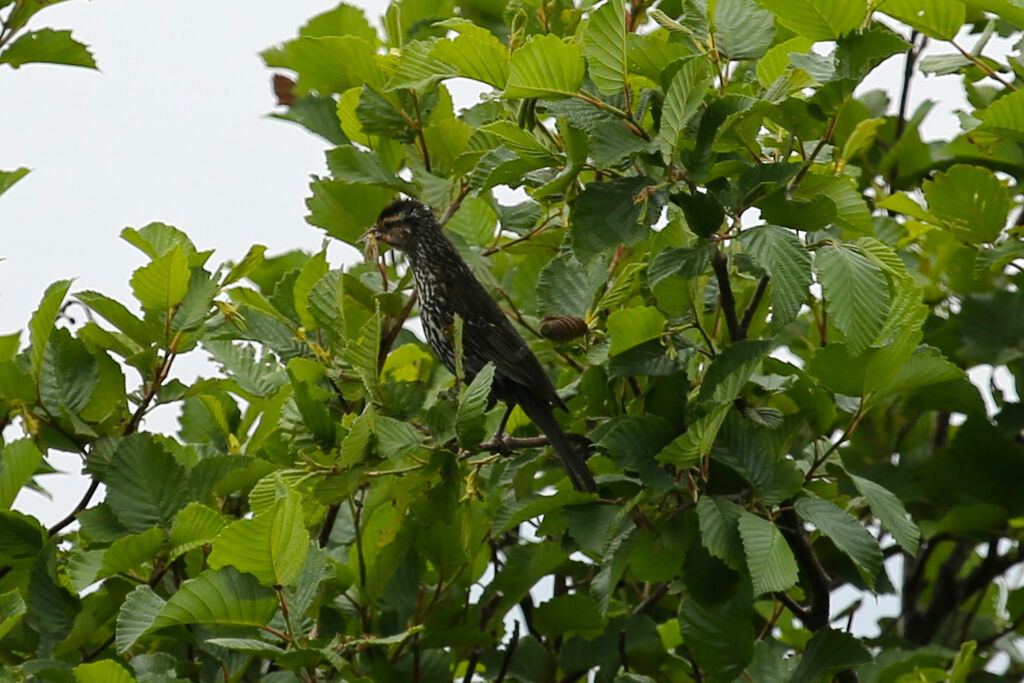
(129,552)
(925,367)
(649,54)
(196,525)
(396,439)
(120,317)
(145,486)
(629,327)
(8,178)
(690,447)
(730,370)
(604,44)
(470,420)
(68,376)
(12,609)
(970,201)
(777,60)
(47,46)
(514,511)
(162,284)
(345,210)
(252,259)
(742,29)
(21,538)
(818,19)
(940,19)
(719,531)
(788,263)
(565,287)
(607,214)
(223,597)
(106,671)
(157,239)
(475,53)
(43,322)
(271,546)
(770,561)
(861,137)
(1005,116)
(852,212)
(890,512)
(856,294)
(838,369)
(682,101)
(828,652)
(343,20)
(846,533)
(545,68)
(19,460)
(566,615)
(417,70)
(328,64)
(352,165)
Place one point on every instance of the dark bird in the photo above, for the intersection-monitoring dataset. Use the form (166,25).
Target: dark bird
(447,287)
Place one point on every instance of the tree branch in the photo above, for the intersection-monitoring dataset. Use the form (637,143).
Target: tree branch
(755,301)
(720,263)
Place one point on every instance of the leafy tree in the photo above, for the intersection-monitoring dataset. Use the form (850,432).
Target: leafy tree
(781,286)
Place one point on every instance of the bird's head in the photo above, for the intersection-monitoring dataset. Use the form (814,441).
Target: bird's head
(402,223)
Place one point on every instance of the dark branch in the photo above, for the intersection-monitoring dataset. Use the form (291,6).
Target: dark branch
(721,265)
(755,301)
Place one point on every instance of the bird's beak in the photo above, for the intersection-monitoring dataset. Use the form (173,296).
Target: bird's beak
(370,235)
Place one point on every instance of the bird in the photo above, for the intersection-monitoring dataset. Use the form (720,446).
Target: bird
(446,287)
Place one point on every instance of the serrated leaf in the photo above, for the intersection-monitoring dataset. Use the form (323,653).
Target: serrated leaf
(42,323)
(565,287)
(742,29)
(846,533)
(1005,116)
(163,283)
(629,327)
(682,101)
(12,609)
(18,462)
(353,165)
(129,552)
(970,201)
(545,68)
(417,70)
(119,316)
(890,512)
(827,652)
(776,61)
(145,485)
(328,64)
(47,46)
(476,53)
(224,597)
(345,210)
(396,439)
(856,294)
(271,546)
(607,214)
(194,526)
(770,561)
(719,531)
(689,448)
(469,422)
(861,137)
(604,44)
(514,511)
(69,374)
(251,260)
(940,19)
(788,263)
(729,372)
(818,19)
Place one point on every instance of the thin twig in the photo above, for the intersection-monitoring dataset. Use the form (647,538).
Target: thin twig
(755,301)
(82,504)
(984,67)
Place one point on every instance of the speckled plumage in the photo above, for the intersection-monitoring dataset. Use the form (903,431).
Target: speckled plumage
(446,286)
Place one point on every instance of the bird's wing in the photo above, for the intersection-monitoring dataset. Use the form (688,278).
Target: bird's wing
(488,333)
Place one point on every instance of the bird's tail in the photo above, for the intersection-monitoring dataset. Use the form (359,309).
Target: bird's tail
(574,463)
